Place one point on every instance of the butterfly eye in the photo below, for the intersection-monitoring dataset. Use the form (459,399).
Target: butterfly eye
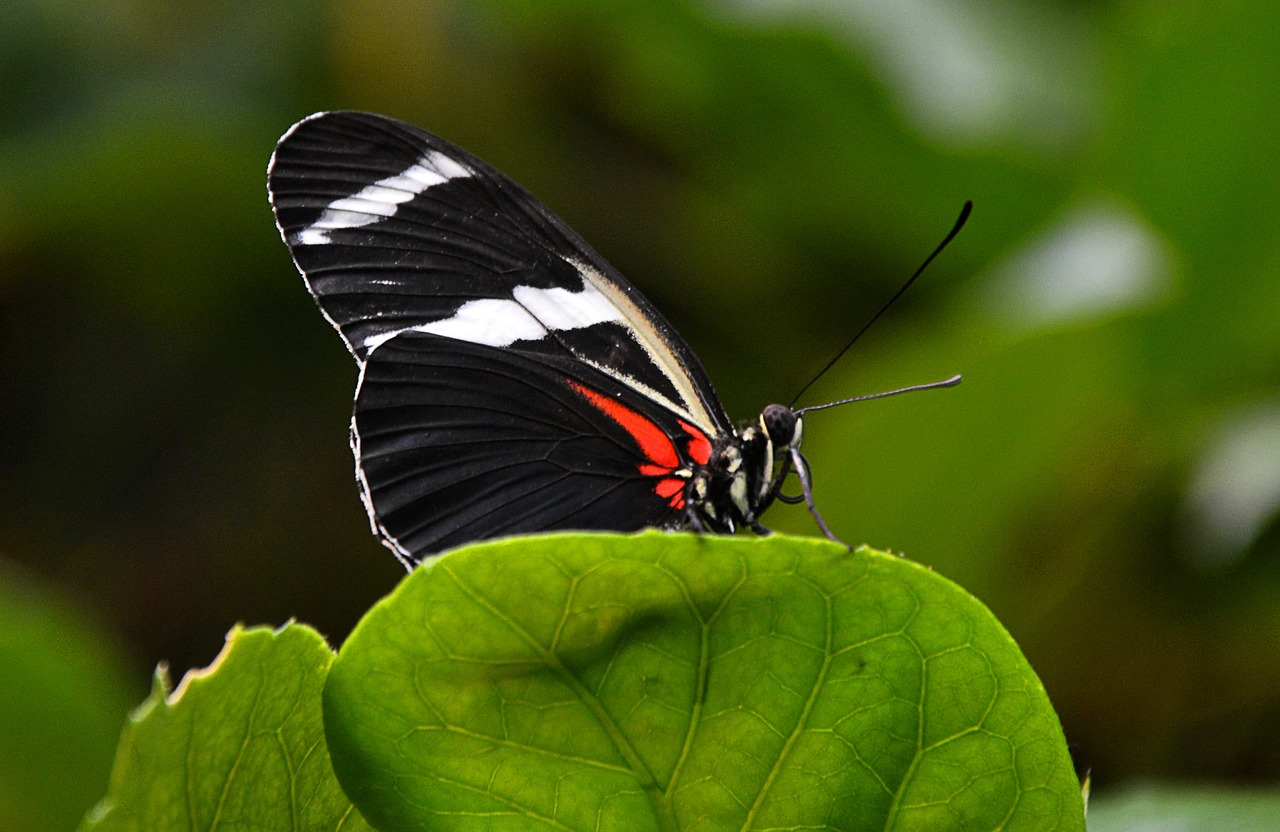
(781,423)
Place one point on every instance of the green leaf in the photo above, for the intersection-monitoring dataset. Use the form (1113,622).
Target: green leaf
(664,681)
(239,745)
(63,690)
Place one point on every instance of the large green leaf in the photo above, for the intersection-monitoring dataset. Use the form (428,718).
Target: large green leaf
(238,746)
(669,681)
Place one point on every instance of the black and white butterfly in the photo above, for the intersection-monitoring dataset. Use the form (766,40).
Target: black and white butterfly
(511,380)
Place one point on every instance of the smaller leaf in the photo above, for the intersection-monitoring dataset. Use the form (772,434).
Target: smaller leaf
(239,745)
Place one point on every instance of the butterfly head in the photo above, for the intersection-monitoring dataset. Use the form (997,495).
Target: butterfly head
(745,471)
(783,426)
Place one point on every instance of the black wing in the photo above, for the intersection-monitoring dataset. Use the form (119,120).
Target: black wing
(456,442)
(511,380)
(395,229)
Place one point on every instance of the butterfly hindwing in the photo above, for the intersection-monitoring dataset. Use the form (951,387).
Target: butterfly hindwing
(457,441)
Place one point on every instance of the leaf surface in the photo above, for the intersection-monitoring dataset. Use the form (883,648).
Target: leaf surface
(238,746)
(662,681)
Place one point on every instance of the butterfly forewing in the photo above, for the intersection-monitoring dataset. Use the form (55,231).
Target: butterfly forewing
(396,229)
(510,380)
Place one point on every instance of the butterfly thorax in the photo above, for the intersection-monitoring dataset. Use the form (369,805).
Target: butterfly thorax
(745,472)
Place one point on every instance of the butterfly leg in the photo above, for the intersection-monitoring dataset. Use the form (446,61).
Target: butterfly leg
(691,517)
(806,486)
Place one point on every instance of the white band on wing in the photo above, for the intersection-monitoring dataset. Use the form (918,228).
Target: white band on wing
(498,322)
(381,199)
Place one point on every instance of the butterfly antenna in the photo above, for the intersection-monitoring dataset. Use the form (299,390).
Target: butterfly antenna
(951,235)
(933,385)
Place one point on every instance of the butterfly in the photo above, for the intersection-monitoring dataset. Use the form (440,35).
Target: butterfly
(510,380)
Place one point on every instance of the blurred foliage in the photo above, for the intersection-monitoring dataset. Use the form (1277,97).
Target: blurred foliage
(1186,809)
(173,449)
(65,687)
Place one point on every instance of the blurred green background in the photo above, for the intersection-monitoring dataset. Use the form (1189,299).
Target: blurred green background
(173,409)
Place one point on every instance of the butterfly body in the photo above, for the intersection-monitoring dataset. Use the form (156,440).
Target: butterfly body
(511,381)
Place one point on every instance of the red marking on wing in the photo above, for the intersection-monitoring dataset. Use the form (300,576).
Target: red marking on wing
(653,441)
(699,445)
(669,487)
(658,448)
